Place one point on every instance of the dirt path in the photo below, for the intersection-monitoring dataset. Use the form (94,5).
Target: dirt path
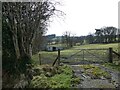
(88,82)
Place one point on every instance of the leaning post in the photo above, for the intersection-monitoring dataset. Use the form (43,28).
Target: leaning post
(110,55)
(58,56)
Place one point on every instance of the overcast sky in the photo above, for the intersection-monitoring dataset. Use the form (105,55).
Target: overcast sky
(83,16)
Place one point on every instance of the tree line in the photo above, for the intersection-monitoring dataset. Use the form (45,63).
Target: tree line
(106,35)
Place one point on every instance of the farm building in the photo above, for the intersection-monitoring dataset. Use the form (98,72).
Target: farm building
(53,48)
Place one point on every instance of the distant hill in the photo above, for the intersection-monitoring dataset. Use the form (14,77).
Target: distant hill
(51,36)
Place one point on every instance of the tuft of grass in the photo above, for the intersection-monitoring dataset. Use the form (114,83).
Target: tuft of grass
(66,70)
(39,82)
(98,72)
(87,66)
(95,71)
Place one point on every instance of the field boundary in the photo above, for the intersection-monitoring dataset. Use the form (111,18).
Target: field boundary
(98,55)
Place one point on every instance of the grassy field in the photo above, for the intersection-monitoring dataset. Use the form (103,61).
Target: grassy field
(95,46)
(51,56)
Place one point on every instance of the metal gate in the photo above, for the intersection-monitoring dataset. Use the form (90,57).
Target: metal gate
(86,56)
(81,56)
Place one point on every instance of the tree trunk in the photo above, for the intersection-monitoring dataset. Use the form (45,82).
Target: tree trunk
(30,50)
(15,42)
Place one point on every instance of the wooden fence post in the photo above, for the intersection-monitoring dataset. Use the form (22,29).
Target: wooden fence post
(110,55)
(39,58)
(58,56)
(83,55)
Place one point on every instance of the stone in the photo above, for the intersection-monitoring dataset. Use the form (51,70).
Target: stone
(103,78)
(48,74)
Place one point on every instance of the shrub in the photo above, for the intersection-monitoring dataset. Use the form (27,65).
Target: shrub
(53,77)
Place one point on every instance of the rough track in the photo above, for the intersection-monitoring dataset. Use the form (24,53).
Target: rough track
(88,82)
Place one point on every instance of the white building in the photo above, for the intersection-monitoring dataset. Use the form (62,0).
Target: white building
(53,48)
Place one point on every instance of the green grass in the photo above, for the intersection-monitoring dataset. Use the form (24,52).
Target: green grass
(112,66)
(60,81)
(45,56)
(94,46)
(63,79)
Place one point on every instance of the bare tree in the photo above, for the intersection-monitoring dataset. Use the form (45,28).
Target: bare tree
(26,22)
(67,39)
